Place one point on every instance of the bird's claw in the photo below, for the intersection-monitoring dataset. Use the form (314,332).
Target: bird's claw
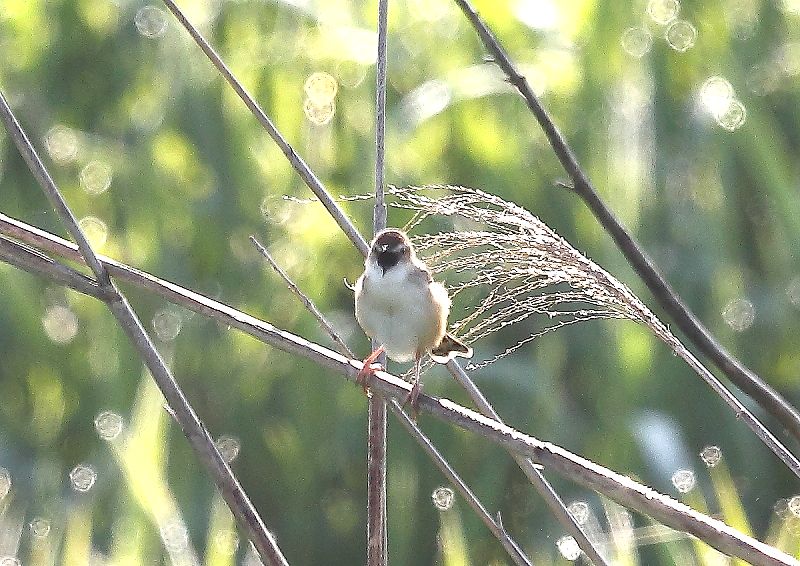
(365,373)
(413,399)
(368,369)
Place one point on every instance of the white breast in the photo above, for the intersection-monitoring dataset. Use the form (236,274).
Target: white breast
(397,310)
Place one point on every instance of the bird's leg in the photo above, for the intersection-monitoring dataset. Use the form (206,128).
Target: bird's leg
(416,388)
(367,371)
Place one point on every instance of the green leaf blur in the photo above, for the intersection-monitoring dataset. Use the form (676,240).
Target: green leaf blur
(169,172)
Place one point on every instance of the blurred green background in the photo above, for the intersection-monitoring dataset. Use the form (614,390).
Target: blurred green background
(685,117)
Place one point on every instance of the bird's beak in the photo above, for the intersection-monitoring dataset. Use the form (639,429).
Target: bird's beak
(383,247)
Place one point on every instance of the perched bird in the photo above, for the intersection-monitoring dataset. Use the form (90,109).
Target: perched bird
(401,307)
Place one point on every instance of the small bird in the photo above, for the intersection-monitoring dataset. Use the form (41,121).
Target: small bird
(401,307)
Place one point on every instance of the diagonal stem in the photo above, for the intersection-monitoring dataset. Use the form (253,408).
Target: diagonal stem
(534,474)
(32,260)
(307,303)
(495,526)
(193,428)
(741,376)
(52,193)
(618,487)
(303,170)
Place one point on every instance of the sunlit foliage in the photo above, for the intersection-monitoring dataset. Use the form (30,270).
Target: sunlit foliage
(685,116)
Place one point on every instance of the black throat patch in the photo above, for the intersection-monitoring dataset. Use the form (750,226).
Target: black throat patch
(387,259)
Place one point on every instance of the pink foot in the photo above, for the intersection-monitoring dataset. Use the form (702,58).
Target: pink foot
(413,398)
(368,369)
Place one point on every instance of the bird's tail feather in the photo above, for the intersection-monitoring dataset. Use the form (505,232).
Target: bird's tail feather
(449,348)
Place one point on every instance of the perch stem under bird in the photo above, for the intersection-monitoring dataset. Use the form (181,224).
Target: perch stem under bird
(401,307)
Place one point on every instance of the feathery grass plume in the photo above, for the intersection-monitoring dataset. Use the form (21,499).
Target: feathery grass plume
(524,268)
(517,264)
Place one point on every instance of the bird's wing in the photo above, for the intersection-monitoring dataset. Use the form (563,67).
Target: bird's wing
(421,271)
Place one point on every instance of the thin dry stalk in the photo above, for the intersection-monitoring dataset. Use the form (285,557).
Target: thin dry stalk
(621,489)
(533,472)
(307,303)
(303,170)
(742,376)
(494,525)
(199,438)
(377,531)
(379,211)
(31,259)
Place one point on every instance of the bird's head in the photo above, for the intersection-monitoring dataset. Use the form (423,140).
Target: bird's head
(390,247)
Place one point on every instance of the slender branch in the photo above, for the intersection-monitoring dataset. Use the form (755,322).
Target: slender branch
(379,213)
(193,428)
(495,526)
(307,303)
(744,378)
(47,184)
(308,176)
(621,489)
(740,410)
(449,472)
(29,259)
(377,532)
(535,476)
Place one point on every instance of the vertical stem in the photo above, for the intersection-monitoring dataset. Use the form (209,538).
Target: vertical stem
(379,213)
(377,536)
(376,482)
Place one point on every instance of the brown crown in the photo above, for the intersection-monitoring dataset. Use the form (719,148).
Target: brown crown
(391,237)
